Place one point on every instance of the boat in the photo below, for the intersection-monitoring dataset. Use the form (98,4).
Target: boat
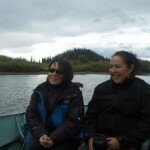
(13,131)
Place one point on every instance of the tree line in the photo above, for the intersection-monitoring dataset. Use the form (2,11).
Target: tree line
(82,60)
(82,54)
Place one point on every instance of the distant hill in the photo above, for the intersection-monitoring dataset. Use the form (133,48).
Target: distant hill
(75,54)
(82,54)
(85,60)
(5,58)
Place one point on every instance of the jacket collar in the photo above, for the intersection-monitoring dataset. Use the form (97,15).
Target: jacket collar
(127,82)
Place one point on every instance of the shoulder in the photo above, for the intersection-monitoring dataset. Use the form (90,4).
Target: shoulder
(141,83)
(75,87)
(41,86)
(72,89)
(103,85)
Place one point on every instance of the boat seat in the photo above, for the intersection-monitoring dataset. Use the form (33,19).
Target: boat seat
(146,145)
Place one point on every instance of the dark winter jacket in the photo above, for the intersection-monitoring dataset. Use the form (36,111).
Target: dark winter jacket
(44,118)
(122,111)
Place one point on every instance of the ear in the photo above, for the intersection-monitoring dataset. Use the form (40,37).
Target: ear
(131,68)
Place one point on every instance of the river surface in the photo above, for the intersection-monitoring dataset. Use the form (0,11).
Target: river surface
(16,90)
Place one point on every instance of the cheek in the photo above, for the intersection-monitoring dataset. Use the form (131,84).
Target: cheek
(49,75)
(110,71)
(61,78)
(123,74)
(128,74)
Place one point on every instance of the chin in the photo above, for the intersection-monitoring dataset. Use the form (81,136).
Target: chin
(117,82)
(54,83)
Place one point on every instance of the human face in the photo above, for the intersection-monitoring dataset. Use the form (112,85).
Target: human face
(53,76)
(119,70)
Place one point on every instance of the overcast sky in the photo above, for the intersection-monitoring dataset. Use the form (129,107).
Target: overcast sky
(43,28)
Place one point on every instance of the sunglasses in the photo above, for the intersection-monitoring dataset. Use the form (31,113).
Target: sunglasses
(52,70)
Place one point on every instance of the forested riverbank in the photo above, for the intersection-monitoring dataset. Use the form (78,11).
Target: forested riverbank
(82,60)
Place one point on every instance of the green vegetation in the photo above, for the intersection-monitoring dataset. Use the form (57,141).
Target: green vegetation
(81,54)
(144,67)
(82,60)
(8,64)
(91,66)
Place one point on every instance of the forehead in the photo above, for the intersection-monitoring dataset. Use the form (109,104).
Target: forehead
(55,64)
(117,60)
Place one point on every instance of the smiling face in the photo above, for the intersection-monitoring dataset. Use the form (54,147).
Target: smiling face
(55,75)
(119,70)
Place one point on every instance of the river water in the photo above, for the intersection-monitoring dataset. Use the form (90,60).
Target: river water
(16,90)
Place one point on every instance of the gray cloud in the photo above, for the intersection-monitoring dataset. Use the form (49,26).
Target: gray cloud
(107,52)
(18,39)
(147,48)
(34,14)
(146,29)
(125,46)
(143,53)
(26,23)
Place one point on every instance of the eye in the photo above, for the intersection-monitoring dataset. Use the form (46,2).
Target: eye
(110,66)
(52,70)
(117,66)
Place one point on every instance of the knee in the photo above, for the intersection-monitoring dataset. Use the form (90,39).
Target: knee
(31,143)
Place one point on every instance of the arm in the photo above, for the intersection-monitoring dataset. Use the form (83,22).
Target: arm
(142,130)
(72,123)
(35,125)
(90,117)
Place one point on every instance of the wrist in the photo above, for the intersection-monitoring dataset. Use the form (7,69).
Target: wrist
(120,141)
(52,139)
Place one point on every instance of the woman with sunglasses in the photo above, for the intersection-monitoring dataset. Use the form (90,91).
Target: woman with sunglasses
(55,113)
(118,116)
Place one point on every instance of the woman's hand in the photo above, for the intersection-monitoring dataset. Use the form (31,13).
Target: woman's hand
(90,144)
(112,143)
(46,141)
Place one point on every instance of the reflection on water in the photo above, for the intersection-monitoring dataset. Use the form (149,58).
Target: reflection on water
(16,90)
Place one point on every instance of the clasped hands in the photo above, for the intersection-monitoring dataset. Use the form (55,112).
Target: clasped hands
(112,143)
(46,141)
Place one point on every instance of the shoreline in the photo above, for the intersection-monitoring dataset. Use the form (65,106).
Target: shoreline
(43,73)
(22,73)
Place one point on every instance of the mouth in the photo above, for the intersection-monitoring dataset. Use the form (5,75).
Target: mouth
(115,76)
(53,78)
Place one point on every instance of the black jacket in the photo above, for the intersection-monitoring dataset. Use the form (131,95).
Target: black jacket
(54,95)
(122,111)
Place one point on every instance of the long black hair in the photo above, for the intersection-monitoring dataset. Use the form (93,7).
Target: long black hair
(66,68)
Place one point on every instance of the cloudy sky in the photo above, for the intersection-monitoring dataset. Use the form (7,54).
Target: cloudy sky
(43,28)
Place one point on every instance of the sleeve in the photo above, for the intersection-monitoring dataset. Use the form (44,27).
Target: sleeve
(35,125)
(90,116)
(73,122)
(142,131)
